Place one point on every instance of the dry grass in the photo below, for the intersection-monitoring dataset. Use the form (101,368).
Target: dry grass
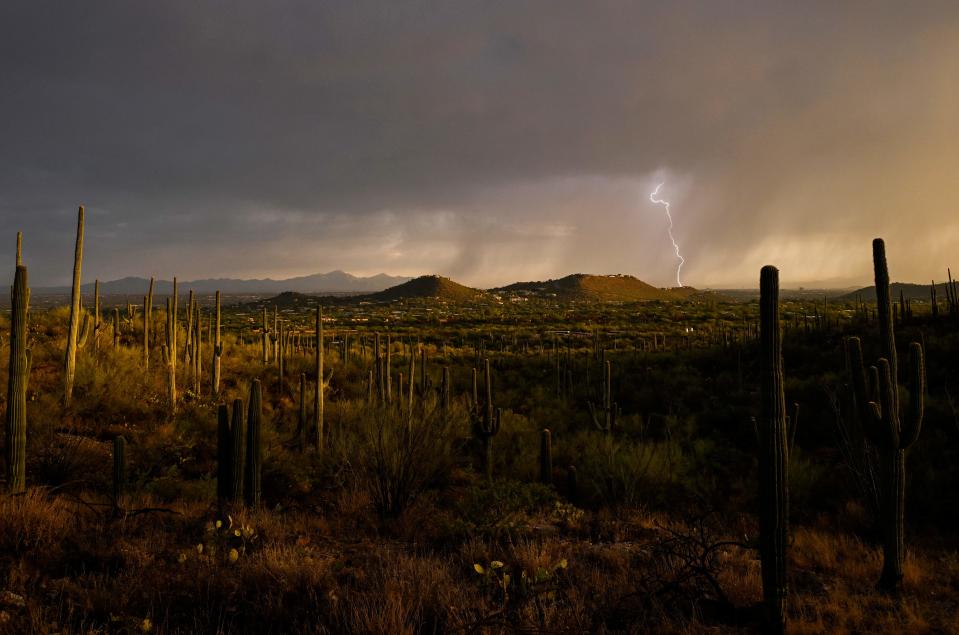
(318,558)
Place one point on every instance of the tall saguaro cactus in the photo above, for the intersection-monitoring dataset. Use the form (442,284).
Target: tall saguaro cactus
(254,451)
(889,426)
(773,455)
(217,349)
(146,332)
(234,491)
(70,361)
(546,457)
(16,424)
(607,420)
(96,315)
(487,425)
(170,349)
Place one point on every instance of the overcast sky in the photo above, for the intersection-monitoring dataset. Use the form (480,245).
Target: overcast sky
(489,141)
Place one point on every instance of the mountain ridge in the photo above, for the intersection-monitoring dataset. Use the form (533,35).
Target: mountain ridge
(336,281)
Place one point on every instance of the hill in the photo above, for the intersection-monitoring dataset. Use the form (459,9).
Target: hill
(909,290)
(331,282)
(581,286)
(428,287)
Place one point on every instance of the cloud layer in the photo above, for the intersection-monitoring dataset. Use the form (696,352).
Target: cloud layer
(489,141)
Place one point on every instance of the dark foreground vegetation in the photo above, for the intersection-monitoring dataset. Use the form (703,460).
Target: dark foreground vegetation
(490,465)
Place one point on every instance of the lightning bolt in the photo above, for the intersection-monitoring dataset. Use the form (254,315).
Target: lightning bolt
(669,217)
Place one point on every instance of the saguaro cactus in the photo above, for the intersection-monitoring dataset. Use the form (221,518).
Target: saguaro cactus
(116,329)
(546,457)
(254,452)
(604,418)
(217,349)
(70,361)
(16,424)
(146,332)
(487,425)
(237,443)
(96,316)
(891,428)
(773,455)
(170,349)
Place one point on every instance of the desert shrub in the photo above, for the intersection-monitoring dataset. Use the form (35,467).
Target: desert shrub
(628,472)
(32,521)
(402,456)
(502,505)
(62,461)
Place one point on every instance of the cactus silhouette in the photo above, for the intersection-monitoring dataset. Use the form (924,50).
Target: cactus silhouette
(237,448)
(19,374)
(487,424)
(254,452)
(773,455)
(892,428)
(70,360)
(546,457)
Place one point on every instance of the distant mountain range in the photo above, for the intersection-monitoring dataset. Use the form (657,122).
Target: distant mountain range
(333,282)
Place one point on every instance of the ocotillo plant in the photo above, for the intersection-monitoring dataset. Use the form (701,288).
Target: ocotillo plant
(16,424)
(546,457)
(254,452)
(773,455)
(119,469)
(487,425)
(237,444)
(217,349)
(224,452)
(892,428)
(70,360)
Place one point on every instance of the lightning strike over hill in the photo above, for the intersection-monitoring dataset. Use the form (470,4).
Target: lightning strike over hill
(669,218)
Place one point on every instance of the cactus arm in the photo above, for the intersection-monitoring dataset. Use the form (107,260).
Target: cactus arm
(912,422)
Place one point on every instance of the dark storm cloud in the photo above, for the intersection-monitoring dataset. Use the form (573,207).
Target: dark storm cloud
(492,141)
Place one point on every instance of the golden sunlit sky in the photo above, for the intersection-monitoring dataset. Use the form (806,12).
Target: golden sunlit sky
(486,141)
